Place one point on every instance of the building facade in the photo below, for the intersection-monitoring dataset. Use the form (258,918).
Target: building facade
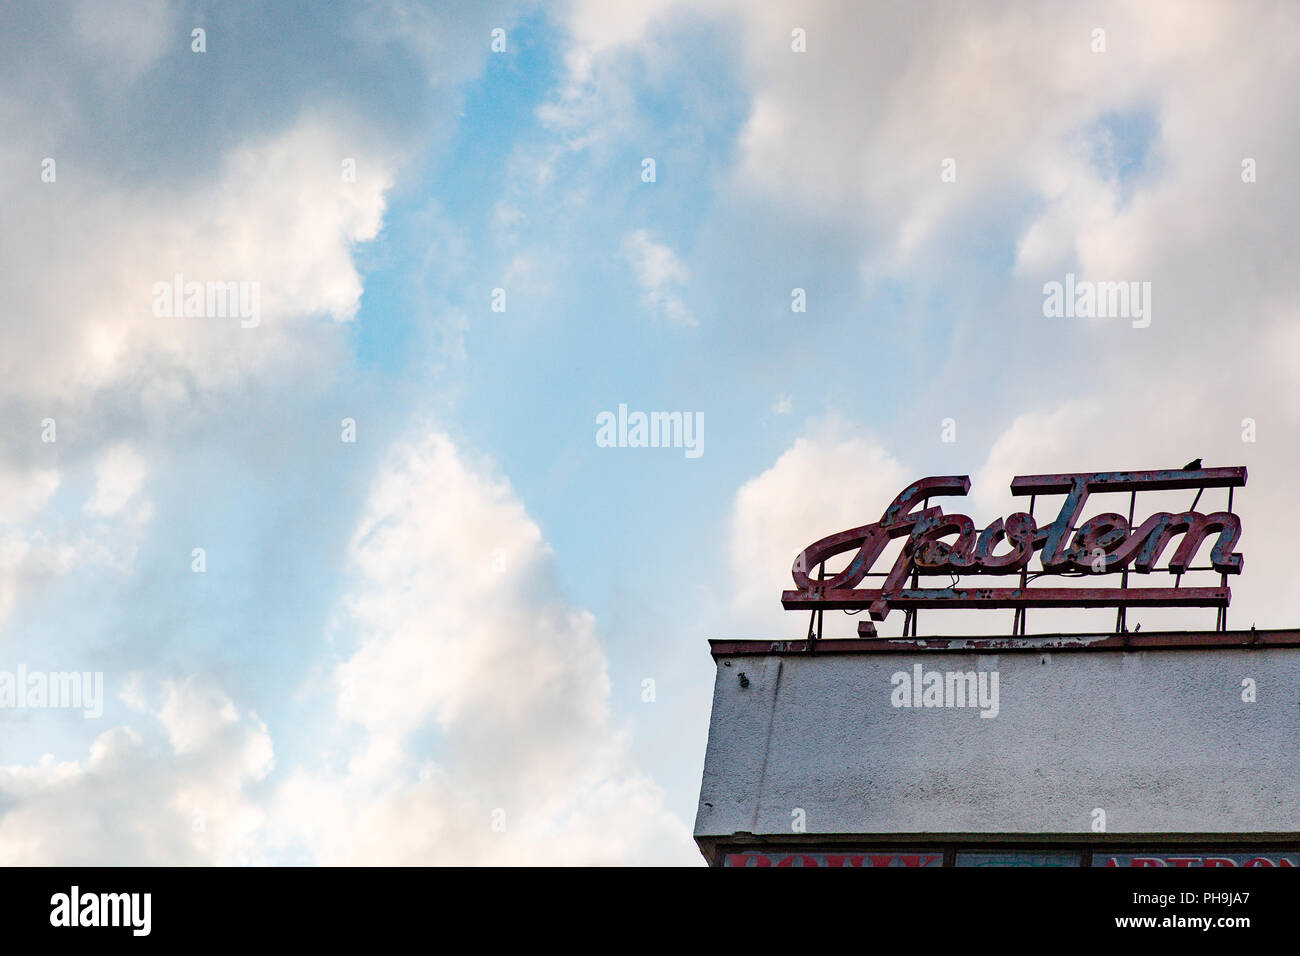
(1161,749)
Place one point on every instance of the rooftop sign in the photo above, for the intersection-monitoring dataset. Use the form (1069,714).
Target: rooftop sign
(949,544)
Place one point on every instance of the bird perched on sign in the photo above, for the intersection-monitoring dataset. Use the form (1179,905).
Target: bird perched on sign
(1194,465)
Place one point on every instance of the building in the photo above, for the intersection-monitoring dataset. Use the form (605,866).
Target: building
(1113,748)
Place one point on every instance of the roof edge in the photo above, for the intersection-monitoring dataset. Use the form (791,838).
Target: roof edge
(1028,643)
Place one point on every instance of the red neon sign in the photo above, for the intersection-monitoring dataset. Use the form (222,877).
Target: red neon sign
(1106,543)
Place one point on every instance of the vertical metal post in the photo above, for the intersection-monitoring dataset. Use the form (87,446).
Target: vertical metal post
(821,577)
(1223,578)
(1018,625)
(916,578)
(1121,618)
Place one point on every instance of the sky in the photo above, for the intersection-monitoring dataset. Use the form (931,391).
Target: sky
(363,583)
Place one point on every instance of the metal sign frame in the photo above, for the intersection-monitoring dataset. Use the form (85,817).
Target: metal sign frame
(1104,544)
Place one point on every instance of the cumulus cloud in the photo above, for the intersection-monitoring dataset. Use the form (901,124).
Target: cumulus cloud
(472,720)
(228,191)
(467,643)
(278,215)
(470,690)
(132,803)
(835,476)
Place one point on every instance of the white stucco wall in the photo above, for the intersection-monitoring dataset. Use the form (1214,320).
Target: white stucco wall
(1161,740)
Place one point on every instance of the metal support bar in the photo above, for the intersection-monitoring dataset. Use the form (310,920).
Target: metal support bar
(1121,616)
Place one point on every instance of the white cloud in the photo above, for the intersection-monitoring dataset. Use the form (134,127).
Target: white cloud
(476,696)
(660,273)
(23,492)
(277,214)
(37,544)
(119,474)
(466,641)
(834,477)
(130,803)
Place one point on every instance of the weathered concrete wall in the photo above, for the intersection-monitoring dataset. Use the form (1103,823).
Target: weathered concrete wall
(1161,740)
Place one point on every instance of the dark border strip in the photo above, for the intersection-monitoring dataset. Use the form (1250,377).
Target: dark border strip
(1177,845)
(1131,641)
